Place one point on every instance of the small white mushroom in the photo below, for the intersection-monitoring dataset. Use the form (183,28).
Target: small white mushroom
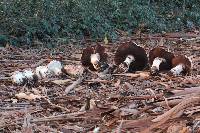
(96,130)
(55,67)
(28,74)
(41,72)
(18,77)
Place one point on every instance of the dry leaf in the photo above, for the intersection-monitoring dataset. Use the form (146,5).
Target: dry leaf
(178,128)
(77,56)
(105,40)
(61,82)
(68,128)
(14,100)
(33,96)
(117,84)
(74,70)
(36,91)
(27,96)
(27,128)
(88,105)
(21,95)
(144,75)
(161,43)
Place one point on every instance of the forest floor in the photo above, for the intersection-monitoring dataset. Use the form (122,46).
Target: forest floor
(134,102)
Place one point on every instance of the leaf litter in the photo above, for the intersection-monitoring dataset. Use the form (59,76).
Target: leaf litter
(135,102)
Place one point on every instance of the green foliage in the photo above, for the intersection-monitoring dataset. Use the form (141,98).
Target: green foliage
(24,21)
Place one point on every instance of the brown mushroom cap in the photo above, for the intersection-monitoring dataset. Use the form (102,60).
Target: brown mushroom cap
(130,48)
(181,59)
(87,52)
(161,53)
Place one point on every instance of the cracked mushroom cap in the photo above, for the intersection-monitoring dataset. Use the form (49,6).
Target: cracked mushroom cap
(18,77)
(30,77)
(131,49)
(28,74)
(41,72)
(91,55)
(25,77)
(160,53)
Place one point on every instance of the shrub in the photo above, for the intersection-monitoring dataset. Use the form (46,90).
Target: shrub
(24,21)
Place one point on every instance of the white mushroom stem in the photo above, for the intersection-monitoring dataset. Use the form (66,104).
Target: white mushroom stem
(129,59)
(157,61)
(94,59)
(177,69)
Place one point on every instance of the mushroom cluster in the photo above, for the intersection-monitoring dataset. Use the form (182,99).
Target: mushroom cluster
(129,57)
(162,60)
(54,68)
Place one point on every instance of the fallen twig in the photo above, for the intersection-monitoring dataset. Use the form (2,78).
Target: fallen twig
(143,97)
(134,75)
(5,78)
(186,91)
(55,105)
(137,125)
(73,85)
(97,80)
(119,128)
(70,116)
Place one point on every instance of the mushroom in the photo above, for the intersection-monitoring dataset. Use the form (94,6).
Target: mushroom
(130,57)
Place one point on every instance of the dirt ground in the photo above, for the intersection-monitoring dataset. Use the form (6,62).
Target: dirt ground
(134,102)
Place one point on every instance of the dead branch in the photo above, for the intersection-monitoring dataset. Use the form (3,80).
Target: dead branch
(175,112)
(178,109)
(185,91)
(73,85)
